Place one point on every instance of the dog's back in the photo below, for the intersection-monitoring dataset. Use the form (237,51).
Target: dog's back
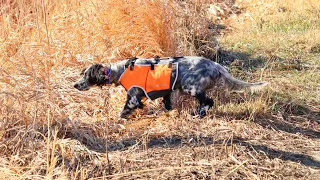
(207,74)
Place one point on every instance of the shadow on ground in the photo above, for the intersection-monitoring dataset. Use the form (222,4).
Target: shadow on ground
(290,118)
(290,126)
(87,137)
(176,142)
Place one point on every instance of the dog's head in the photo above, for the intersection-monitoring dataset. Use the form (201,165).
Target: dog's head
(95,75)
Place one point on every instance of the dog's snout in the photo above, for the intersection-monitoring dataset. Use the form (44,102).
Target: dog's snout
(81,85)
(76,86)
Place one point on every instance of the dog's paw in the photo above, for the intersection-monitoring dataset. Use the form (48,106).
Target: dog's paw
(199,112)
(202,113)
(125,113)
(167,107)
(122,116)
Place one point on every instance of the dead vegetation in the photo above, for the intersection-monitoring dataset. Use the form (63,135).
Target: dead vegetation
(48,130)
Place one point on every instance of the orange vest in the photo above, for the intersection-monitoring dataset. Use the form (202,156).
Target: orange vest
(148,80)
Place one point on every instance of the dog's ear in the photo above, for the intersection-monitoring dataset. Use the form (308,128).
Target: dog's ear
(98,73)
(101,71)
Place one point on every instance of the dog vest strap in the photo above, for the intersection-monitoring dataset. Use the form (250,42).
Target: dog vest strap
(157,59)
(152,66)
(177,57)
(174,60)
(130,63)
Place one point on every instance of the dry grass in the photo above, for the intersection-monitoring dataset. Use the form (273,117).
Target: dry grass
(284,35)
(48,130)
(144,32)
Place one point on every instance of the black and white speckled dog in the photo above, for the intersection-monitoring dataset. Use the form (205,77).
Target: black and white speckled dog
(190,74)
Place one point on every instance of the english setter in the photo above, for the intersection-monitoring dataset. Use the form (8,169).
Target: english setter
(190,74)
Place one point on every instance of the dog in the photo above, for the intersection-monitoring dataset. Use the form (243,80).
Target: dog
(191,75)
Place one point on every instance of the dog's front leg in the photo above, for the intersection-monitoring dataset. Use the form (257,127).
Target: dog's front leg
(133,101)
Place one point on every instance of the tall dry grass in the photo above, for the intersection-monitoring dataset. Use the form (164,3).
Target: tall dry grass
(139,28)
(47,42)
(44,44)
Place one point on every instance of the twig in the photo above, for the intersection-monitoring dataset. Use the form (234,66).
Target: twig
(107,152)
(144,171)
(107,136)
(45,20)
(241,164)
(38,26)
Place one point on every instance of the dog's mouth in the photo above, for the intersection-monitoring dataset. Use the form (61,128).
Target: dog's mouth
(82,89)
(81,86)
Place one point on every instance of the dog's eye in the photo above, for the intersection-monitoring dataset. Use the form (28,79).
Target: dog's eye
(83,72)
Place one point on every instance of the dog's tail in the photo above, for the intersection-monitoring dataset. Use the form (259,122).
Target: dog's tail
(234,84)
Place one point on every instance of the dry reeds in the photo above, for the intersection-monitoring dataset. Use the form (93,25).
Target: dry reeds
(139,28)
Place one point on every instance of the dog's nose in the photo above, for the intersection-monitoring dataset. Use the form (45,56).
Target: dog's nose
(76,86)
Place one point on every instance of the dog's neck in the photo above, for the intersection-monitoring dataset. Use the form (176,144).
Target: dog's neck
(116,71)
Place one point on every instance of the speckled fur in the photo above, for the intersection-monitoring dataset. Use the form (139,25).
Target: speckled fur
(195,76)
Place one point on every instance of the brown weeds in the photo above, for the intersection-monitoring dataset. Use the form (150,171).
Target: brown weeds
(146,28)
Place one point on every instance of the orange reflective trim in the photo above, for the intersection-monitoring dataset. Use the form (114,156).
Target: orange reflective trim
(150,80)
(159,78)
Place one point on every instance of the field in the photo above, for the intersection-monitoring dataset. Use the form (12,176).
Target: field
(49,130)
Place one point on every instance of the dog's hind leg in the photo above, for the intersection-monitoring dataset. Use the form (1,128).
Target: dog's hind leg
(205,103)
(133,101)
(167,101)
